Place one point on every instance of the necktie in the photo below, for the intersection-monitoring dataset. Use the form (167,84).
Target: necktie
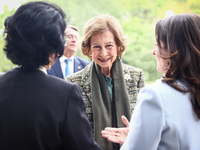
(67,69)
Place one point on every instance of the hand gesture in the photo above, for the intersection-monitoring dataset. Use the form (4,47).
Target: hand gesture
(117,135)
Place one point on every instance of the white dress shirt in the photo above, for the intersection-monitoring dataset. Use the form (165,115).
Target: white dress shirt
(63,64)
(163,119)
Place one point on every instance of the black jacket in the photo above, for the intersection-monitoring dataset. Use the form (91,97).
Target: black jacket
(42,112)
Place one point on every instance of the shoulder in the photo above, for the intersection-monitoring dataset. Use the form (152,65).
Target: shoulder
(60,87)
(164,90)
(81,60)
(131,69)
(159,89)
(156,86)
(58,81)
(150,97)
(8,74)
(81,75)
(133,73)
(55,64)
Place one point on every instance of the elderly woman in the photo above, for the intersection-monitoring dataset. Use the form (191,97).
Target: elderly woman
(109,87)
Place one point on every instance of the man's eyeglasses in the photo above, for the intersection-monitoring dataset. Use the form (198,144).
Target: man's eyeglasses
(70,37)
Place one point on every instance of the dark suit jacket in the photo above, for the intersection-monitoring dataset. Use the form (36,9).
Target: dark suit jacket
(56,70)
(42,112)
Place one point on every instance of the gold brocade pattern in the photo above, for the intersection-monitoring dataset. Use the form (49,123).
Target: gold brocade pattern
(134,81)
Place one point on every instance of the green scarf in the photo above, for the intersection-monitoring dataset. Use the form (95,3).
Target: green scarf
(103,114)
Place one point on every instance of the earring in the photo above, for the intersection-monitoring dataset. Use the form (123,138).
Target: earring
(49,66)
(118,57)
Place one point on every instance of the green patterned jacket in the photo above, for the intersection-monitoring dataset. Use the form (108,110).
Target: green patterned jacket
(133,78)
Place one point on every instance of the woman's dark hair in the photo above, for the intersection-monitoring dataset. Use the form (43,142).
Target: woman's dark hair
(33,33)
(181,37)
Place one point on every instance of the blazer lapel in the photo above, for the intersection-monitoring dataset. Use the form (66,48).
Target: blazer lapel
(77,64)
(85,82)
(57,68)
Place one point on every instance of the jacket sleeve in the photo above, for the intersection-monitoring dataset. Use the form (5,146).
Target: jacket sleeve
(77,131)
(141,82)
(147,122)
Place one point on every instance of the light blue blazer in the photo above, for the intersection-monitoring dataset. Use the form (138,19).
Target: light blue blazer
(163,119)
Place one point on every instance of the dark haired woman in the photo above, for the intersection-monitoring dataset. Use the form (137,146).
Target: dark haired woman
(36,110)
(167,113)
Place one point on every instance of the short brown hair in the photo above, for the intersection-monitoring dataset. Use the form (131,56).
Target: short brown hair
(100,24)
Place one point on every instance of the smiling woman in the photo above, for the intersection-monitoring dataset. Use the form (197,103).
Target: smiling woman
(109,87)
(104,51)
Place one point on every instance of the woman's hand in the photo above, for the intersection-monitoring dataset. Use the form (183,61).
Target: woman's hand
(117,135)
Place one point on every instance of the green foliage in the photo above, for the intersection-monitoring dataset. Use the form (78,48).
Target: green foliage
(138,18)
(194,5)
(5,64)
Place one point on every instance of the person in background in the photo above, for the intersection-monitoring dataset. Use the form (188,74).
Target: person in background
(36,110)
(68,63)
(167,113)
(109,86)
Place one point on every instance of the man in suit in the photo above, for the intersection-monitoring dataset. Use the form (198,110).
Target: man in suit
(61,68)
(37,110)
